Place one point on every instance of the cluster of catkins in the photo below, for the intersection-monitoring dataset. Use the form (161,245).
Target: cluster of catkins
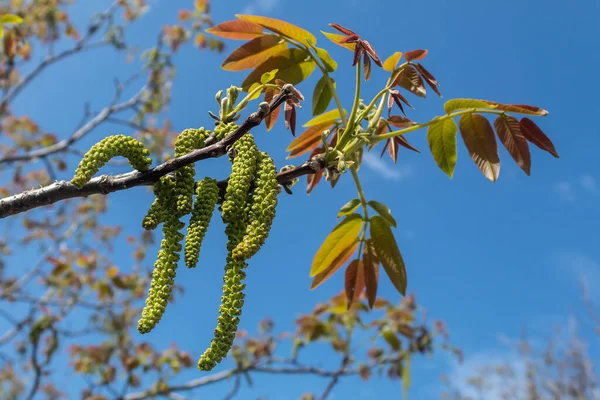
(248,210)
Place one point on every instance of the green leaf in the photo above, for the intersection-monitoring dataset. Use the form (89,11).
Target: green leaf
(293,64)
(283,28)
(255,86)
(384,211)
(478,135)
(349,207)
(268,76)
(441,137)
(335,38)
(388,253)
(464,104)
(342,236)
(10,19)
(322,96)
(330,116)
(406,376)
(391,338)
(330,64)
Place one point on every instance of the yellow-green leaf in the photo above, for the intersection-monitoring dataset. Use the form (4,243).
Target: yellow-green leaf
(252,89)
(268,76)
(342,236)
(322,96)
(283,28)
(406,376)
(478,135)
(293,64)
(236,29)
(391,338)
(441,137)
(384,211)
(349,207)
(10,19)
(340,260)
(335,38)
(330,64)
(330,116)
(392,61)
(464,104)
(386,250)
(307,140)
(253,53)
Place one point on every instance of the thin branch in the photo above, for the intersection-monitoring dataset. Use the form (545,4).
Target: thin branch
(335,379)
(105,184)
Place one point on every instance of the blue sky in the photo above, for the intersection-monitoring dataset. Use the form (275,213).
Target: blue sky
(487,258)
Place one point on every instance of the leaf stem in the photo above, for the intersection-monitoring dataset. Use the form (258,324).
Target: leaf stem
(349,128)
(363,202)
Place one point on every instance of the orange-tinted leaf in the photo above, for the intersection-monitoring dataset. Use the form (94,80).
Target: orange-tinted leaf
(392,61)
(354,281)
(431,81)
(509,132)
(478,135)
(307,140)
(335,265)
(342,236)
(272,117)
(237,29)
(400,122)
(410,80)
(371,265)
(253,53)
(392,147)
(534,134)
(335,38)
(293,66)
(388,253)
(415,55)
(330,116)
(519,108)
(283,28)
(322,96)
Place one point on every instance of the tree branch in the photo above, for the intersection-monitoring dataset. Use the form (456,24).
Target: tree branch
(105,184)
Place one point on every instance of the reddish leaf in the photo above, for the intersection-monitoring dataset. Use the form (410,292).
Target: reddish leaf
(254,52)
(509,132)
(371,265)
(410,80)
(349,39)
(308,140)
(335,38)
(367,66)
(354,281)
(519,108)
(237,29)
(372,53)
(400,122)
(478,135)
(290,118)
(404,143)
(335,265)
(272,117)
(388,253)
(534,134)
(392,147)
(340,28)
(357,53)
(415,55)
(431,81)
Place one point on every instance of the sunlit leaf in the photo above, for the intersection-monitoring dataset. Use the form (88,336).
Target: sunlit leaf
(10,19)
(410,80)
(254,88)
(465,104)
(268,76)
(392,61)
(519,108)
(478,135)
(281,27)
(293,64)
(341,259)
(330,116)
(307,140)
(322,96)
(384,211)
(272,117)
(330,64)
(415,55)
(387,252)
(371,264)
(237,29)
(253,53)
(335,38)
(354,281)
(534,134)
(441,137)
(509,132)
(391,338)
(349,208)
(342,236)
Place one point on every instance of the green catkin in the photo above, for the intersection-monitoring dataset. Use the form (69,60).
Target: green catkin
(232,300)
(262,213)
(242,174)
(165,266)
(207,195)
(153,217)
(109,147)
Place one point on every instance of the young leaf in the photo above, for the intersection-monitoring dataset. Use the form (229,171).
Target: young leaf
(354,281)
(478,135)
(335,38)
(322,96)
(400,121)
(388,253)
(253,53)
(534,134)
(293,64)
(415,55)
(464,104)
(342,236)
(392,61)
(520,108)
(401,140)
(272,117)
(384,211)
(343,257)
(349,207)
(330,64)
(410,80)
(254,87)
(307,140)
(330,116)
(283,28)
(509,132)
(371,265)
(10,19)
(237,29)
(431,81)
(441,137)
(367,66)
(268,76)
